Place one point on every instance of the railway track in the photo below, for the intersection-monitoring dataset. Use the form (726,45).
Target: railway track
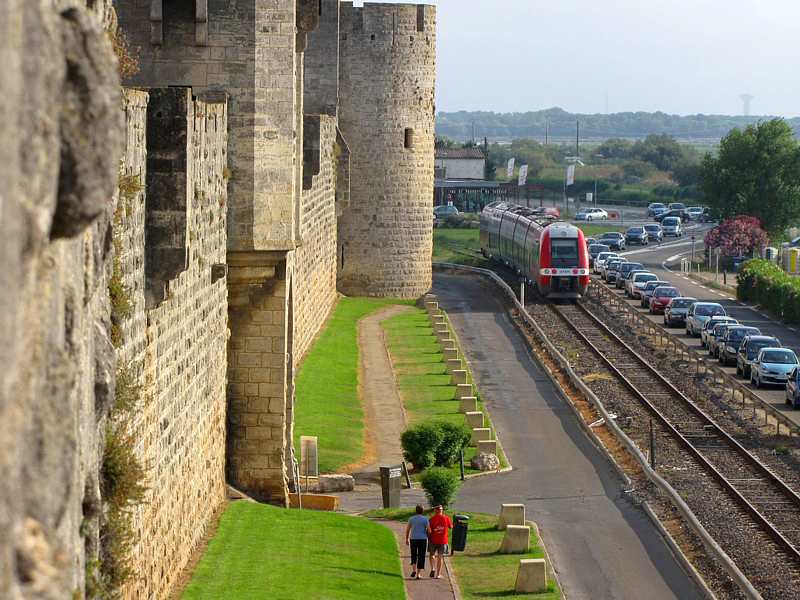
(750,511)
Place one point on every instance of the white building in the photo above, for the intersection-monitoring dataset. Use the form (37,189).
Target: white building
(460,163)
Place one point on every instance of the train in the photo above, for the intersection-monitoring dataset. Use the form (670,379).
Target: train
(549,253)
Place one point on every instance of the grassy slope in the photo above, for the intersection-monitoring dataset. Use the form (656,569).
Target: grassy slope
(482,572)
(327,402)
(261,551)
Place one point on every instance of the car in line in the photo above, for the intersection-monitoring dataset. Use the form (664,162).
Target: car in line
(693,213)
(772,366)
(715,337)
(661,297)
(676,206)
(709,325)
(613,239)
(793,388)
(672,226)
(654,208)
(654,232)
(636,235)
(595,250)
(624,270)
(659,218)
(612,269)
(601,259)
(636,283)
(445,210)
(699,313)
(731,340)
(591,214)
(749,349)
(649,288)
(676,309)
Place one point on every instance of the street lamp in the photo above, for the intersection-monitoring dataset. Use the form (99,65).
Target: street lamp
(595,177)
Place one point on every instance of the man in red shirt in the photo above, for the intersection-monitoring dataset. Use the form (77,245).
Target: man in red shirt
(437,542)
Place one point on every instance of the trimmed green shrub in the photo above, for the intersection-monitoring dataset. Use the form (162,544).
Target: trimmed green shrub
(420,443)
(454,438)
(766,284)
(440,486)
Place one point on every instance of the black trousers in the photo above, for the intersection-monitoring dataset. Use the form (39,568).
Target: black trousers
(418,550)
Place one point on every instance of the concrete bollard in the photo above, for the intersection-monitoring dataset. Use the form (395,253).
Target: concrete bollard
(436,320)
(449,354)
(479,434)
(467,404)
(430,298)
(454,364)
(511,514)
(463,390)
(531,576)
(432,308)
(447,344)
(442,333)
(488,447)
(516,540)
(474,419)
(458,377)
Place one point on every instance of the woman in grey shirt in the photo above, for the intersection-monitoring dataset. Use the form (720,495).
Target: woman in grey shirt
(417,533)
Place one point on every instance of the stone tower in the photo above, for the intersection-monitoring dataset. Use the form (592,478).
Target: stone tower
(386,114)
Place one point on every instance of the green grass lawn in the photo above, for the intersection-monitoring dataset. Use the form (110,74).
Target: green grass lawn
(450,244)
(421,380)
(480,570)
(260,551)
(326,387)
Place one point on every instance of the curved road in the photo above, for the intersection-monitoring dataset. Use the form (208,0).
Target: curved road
(602,545)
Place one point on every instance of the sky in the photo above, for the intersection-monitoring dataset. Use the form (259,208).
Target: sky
(680,57)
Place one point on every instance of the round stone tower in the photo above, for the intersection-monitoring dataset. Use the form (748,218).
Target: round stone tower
(386,116)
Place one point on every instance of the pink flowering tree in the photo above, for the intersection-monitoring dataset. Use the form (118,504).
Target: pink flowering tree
(739,236)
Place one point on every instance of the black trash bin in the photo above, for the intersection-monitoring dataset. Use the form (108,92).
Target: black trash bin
(460,527)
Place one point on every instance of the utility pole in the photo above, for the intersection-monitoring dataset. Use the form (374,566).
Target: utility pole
(577,136)
(545,133)
(473,133)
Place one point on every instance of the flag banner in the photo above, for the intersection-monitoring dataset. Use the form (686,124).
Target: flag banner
(510,169)
(570,174)
(523,175)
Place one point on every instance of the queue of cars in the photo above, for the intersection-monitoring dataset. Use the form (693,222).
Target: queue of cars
(759,358)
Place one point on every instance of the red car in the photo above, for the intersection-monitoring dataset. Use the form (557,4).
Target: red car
(661,297)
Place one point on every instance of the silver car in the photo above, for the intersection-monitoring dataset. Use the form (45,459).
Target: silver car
(772,366)
(637,282)
(708,326)
(601,259)
(700,313)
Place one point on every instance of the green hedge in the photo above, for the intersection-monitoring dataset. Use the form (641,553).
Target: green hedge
(766,284)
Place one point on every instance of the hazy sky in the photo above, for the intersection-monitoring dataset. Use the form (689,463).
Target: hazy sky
(675,56)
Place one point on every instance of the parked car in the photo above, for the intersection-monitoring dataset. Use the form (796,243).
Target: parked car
(654,232)
(446,210)
(613,239)
(601,259)
(793,388)
(700,313)
(662,296)
(731,340)
(676,206)
(595,250)
(715,337)
(591,214)
(672,226)
(670,213)
(649,288)
(693,213)
(749,349)
(654,208)
(636,235)
(676,309)
(624,270)
(637,281)
(709,325)
(590,241)
(612,270)
(772,366)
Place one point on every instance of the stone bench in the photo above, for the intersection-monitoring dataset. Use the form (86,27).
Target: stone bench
(511,514)
(315,501)
(531,576)
(517,539)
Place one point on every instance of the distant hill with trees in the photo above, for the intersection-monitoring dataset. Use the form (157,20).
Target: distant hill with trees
(560,124)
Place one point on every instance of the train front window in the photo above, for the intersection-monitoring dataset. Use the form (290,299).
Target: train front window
(564,253)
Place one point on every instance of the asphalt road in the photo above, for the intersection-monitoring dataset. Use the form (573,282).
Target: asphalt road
(601,544)
(664,261)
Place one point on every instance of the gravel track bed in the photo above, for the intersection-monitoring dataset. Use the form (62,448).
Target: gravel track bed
(753,551)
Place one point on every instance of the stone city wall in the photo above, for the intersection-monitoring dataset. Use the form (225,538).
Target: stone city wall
(177,348)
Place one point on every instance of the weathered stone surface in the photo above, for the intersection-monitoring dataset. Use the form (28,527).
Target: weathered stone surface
(467,403)
(531,576)
(516,540)
(458,377)
(473,419)
(487,447)
(484,462)
(336,483)
(463,390)
(511,514)
(478,434)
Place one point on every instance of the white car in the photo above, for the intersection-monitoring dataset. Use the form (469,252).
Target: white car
(672,226)
(446,210)
(591,214)
(637,282)
(693,213)
(772,366)
(601,260)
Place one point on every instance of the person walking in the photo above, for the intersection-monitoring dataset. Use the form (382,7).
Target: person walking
(417,532)
(439,524)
